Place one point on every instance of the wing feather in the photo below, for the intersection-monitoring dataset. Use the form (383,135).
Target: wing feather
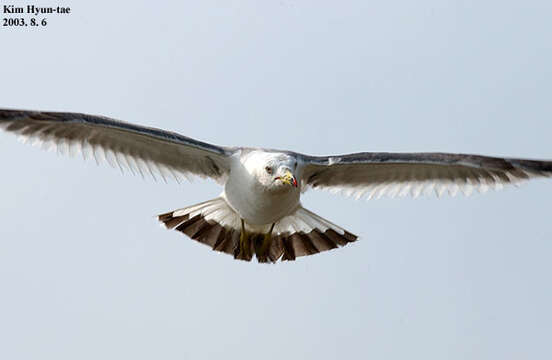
(140,150)
(372,175)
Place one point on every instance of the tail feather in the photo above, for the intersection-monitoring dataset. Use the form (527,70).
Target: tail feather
(216,225)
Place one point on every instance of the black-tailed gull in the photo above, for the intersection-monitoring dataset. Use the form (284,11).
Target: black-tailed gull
(259,211)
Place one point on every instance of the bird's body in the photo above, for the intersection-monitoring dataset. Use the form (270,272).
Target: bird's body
(259,211)
(255,202)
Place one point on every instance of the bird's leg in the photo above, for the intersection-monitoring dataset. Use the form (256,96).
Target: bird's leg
(244,243)
(262,252)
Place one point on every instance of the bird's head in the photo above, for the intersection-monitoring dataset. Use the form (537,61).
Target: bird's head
(275,171)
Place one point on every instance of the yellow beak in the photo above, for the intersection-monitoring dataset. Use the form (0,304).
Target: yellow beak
(288,178)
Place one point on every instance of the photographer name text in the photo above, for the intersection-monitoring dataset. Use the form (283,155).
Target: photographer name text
(30,15)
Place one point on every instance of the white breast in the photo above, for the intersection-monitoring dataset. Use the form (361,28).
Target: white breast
(251,200)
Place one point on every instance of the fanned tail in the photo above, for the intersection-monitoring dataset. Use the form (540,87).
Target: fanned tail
(215,224)
(306,233)
(212,223)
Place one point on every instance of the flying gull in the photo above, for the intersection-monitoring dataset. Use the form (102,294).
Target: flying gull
(259,211)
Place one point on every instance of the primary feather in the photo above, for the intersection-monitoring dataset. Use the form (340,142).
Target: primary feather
(373,175)
(143,150)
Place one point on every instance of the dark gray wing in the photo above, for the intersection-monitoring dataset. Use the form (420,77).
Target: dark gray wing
(399,174)
(139,149)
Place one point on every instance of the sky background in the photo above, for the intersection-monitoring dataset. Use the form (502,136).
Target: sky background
(86,272)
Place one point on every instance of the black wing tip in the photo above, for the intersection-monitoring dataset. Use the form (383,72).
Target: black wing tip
(544,167)
(13,114)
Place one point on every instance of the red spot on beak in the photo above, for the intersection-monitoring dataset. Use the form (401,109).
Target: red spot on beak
(294,182)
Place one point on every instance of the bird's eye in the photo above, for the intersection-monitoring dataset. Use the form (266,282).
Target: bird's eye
(268,170)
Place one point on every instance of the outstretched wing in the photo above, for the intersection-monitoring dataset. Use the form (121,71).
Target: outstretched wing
(399,174)
(139,149)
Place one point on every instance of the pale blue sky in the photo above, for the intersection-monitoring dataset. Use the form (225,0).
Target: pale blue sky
(87,273)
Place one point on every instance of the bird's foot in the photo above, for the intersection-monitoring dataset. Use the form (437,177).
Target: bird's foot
(243,250)
(263,248)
